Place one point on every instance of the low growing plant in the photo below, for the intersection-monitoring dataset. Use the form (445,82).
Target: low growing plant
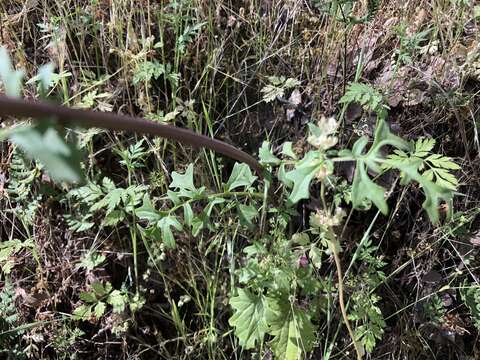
(281,296)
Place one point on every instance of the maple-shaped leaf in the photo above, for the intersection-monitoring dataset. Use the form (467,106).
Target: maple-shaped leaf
(292,330)
(249,318)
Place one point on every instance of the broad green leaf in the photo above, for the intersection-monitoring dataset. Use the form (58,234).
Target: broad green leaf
(241,176)
(383,136)
(99,289)
(165,224)
(302,175)
(147,211)
(173,196)
(434,193)
(246,214)
(61,160)
(187,214)
(266,156)
(249,318)
(185,181)
(363,188)
(292,330)
(288,151)
(282,176)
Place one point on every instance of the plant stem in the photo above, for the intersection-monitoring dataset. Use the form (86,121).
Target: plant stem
(341,301)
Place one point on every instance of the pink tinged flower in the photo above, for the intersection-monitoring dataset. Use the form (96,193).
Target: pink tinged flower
(303,261)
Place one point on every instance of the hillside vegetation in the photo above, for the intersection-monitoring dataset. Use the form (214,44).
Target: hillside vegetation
(359,239)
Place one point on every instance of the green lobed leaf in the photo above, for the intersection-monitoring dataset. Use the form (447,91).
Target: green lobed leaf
(83,312)
(117,300)
(185,181)
(99,289)
(165,224)
(99,309)
(241,176)
(288,150)
(434,193)
(302,175)
(147,211)
(248,318)
(363,188)
(266,156)
(88,297)
(291,327)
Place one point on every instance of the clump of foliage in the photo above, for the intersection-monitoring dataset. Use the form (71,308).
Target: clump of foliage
(173,254)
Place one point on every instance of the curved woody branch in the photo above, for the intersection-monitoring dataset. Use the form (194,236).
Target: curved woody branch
(93,119)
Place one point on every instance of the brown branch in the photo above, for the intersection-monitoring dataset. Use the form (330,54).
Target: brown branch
(93,119)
